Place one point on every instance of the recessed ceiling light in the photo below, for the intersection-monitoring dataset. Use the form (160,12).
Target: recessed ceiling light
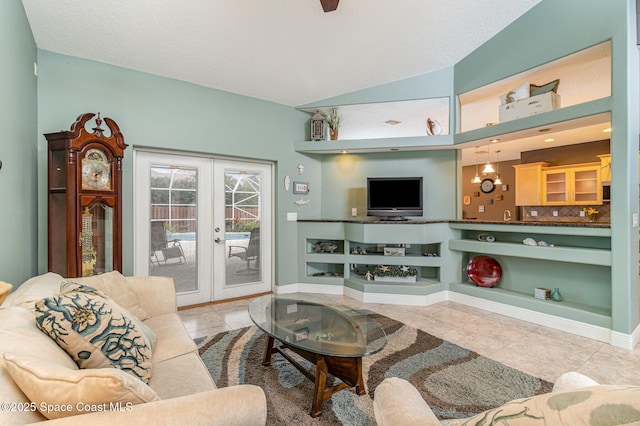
(608,130)
(395,149)
(344,151)
(494,140)
(549,140)
(393,122)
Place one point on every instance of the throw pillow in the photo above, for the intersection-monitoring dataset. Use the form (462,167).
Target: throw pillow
(57,391)
(96,332)
(116,286)
(70,287)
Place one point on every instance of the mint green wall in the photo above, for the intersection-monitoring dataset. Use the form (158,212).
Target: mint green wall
(344,180)
(18,121)
(168,114)
(550,30)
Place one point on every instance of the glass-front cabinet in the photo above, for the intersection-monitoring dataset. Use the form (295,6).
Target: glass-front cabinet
(579,185)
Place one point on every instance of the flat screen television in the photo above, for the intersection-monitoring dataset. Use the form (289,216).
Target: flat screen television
(394,198)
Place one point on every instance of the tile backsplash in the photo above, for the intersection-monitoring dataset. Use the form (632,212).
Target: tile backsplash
(564,213)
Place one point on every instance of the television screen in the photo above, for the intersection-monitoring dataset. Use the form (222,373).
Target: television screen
(394,197)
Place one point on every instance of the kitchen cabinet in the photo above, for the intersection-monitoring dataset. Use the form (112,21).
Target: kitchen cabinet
(529,183)
(605,167)
(572,185)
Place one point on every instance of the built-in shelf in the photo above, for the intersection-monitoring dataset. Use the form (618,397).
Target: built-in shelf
(421,287)
(412,143)
(359,247)
(558,254)
(578,312)
(591,113)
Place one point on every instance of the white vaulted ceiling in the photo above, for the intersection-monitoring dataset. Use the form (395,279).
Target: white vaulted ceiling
(285,51)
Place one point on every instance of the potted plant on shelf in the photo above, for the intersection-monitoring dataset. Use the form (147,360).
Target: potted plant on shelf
(333,120)
(592,213)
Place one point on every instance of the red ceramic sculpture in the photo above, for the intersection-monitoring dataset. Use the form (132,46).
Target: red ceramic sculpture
(484,271)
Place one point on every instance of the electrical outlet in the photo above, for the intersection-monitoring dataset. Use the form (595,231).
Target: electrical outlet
(480,209)
(354,211)
(581,213)
(555,213)
(534,213)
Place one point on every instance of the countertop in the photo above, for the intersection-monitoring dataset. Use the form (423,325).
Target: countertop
(491,222)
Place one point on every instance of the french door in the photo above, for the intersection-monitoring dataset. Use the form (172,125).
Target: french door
(206,222)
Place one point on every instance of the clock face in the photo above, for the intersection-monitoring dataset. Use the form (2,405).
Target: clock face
(96,170)
(487,186)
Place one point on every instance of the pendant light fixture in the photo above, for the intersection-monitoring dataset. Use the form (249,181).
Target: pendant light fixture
(497,179)
(488,168)
(476,179)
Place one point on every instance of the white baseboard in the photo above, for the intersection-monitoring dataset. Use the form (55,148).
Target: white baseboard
(625,341)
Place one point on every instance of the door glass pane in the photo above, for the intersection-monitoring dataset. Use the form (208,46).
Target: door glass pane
(242,227)
(173,237)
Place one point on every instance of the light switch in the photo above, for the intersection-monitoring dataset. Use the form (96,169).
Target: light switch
(480,209)
(292,216)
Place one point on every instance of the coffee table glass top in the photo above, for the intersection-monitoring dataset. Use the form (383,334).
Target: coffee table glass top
(317,325)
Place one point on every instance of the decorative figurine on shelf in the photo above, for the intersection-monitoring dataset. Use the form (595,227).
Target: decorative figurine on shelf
(318,126)
(368,276)
(324,247)
(556,296)
(433,127)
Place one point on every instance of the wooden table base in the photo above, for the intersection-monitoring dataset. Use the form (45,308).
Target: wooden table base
(347,369)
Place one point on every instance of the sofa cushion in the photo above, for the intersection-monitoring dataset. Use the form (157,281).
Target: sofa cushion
(173,339)
(95,332)
(180,376)
(116,286)
(34,289)
(19,334)
(57,391)
(596,405)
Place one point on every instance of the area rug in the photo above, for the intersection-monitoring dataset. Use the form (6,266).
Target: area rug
(454,381)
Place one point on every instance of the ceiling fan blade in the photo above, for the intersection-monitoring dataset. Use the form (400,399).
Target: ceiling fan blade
(329,5)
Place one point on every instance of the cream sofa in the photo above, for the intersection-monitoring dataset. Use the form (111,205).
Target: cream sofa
(575,400)
(180,390)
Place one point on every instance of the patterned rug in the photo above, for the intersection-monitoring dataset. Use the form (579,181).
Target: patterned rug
(454,381)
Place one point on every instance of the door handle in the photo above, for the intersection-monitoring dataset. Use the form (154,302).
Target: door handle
(218,240)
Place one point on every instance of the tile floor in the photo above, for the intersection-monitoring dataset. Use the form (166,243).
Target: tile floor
(537,350)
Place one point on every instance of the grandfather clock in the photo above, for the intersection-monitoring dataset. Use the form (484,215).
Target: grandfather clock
(85,198)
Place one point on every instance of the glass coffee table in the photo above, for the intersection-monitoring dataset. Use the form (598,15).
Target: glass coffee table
(332,337)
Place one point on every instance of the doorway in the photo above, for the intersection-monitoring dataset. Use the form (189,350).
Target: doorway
(206,222)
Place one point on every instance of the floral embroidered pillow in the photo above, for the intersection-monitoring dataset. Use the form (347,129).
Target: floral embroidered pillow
(96,332)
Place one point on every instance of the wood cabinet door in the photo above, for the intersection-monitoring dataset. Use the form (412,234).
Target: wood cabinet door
(529,184)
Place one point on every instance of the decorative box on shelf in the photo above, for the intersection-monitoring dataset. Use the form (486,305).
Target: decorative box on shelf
(529,106)
(394,251)
(542,293)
